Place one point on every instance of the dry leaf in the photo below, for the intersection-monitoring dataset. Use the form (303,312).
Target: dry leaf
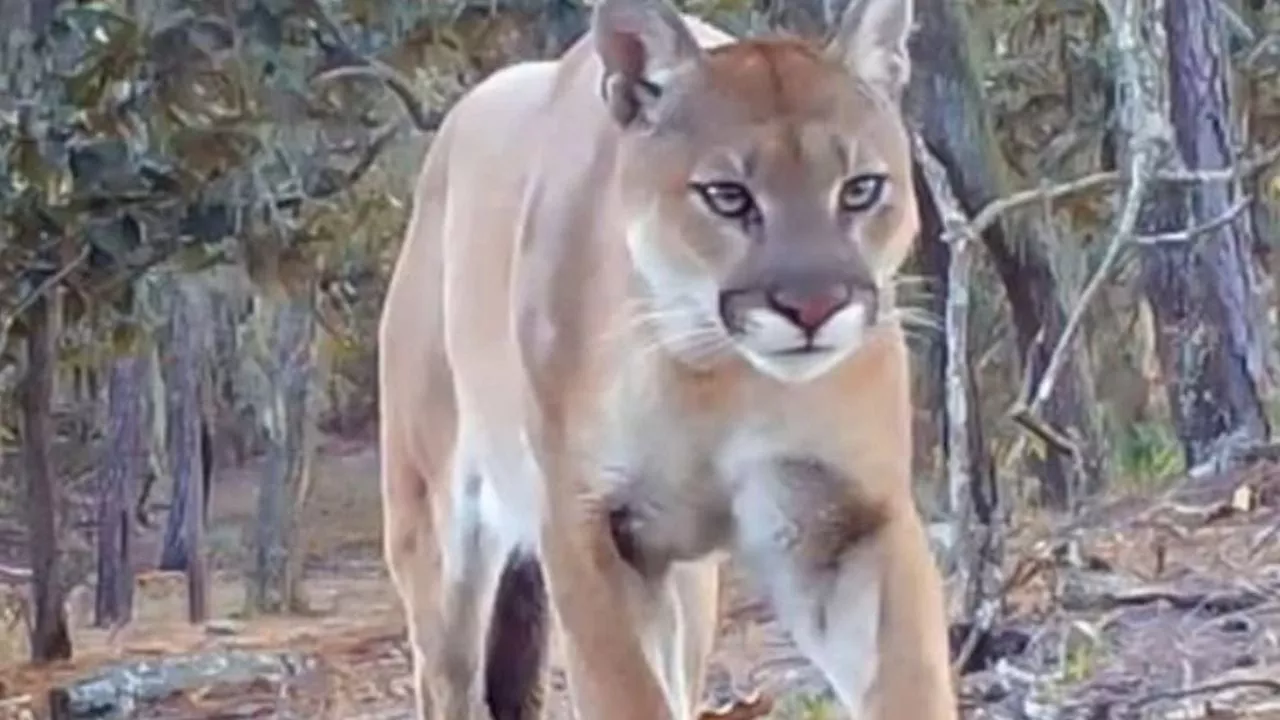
(1244,499)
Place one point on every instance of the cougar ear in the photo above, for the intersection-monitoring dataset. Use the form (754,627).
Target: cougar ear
(639,42)
(871,41)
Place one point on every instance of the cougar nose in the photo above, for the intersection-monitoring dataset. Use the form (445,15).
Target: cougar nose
(809,308)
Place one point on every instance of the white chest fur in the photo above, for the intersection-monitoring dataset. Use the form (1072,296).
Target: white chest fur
(747,486)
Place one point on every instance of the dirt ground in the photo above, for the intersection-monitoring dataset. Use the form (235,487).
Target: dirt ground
(1141,609)
(355,632)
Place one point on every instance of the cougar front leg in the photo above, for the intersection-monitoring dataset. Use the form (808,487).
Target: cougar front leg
(591,590)
(674,608)
(853,582)
(447,581)
(915,677)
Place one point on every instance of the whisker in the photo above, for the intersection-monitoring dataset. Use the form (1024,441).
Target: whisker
(916,317)
(639,317)
(700,339)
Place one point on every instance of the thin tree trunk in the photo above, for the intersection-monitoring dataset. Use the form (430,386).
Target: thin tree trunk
(50,639)
(113,598)
(186,440)
(1203,293)
(41,14)
(275,581)
(934,258)
(946,101)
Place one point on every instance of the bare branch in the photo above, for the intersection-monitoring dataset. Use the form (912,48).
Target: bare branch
(423,119)
(332,181)
(956,237)
(359,65)
(1234,24)
(1047,433)
(1143,161)
(1268,44)
(6,325)
(1147,131)
(1204,228)
(978,557)
(12,574)
(994,211)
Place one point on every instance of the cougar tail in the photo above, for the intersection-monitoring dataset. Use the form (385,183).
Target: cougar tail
(515,664)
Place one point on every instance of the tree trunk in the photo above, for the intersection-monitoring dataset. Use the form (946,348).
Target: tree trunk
(50,639)
(275,580)
(186,447)
(113,599)
(225,431)
(42,13)
(946,102)
(1203,292)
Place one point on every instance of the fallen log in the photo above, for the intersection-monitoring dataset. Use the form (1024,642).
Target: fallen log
(117,691)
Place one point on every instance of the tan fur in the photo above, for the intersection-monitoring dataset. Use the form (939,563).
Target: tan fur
(579,356)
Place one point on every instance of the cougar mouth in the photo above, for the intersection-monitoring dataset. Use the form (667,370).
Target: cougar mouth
(803,350)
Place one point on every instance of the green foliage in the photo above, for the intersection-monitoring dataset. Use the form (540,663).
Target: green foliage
(194,133)
(1146,454)
(805,706)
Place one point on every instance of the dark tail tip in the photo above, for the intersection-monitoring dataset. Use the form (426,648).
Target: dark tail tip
(517,643)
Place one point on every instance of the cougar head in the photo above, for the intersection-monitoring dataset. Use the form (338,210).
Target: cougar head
(766,182)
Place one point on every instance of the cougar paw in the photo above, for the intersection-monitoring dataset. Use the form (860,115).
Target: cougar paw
(748,708)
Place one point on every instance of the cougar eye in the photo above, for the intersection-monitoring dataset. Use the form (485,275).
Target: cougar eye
(726,199)
(861,192)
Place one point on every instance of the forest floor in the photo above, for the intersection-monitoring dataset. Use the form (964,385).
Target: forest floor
(1141,607)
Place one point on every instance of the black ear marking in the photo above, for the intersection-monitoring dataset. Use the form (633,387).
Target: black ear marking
(636,40)
(626,97)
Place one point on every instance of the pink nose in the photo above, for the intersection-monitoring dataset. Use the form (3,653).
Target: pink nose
(810,308)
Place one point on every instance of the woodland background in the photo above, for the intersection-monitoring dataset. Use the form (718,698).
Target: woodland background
(200,202)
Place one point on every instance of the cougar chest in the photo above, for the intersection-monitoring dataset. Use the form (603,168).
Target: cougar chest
(656,469)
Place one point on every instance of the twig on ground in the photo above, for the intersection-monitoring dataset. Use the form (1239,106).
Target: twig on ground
(1264,539)
(1212,687)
